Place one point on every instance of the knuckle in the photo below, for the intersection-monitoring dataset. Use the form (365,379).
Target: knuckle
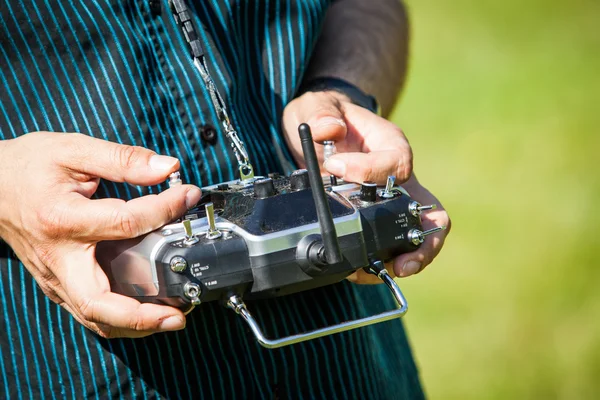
(404,164)
(126,223)
(72,143)
(86,309)
(138,323)
(171,211)
(51,220)
(126,156)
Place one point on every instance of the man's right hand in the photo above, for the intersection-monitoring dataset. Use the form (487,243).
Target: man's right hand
(49,220)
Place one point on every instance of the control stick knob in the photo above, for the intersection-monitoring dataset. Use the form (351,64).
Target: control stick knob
(368,191)
(299,180)
(264,188)
(329,150)
(175,179)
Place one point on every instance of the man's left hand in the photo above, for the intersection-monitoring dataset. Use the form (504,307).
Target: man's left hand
(370,148)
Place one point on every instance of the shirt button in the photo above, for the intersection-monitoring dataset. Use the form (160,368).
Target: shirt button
(208,133)
(155,7)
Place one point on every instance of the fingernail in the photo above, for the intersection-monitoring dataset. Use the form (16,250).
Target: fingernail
(172,324)
(162,163)
(192,197)
(410,268)
(336,167)
(328,121)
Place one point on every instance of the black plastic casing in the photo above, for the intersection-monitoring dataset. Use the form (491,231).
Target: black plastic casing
(386,226)
(223,267)
(218,266)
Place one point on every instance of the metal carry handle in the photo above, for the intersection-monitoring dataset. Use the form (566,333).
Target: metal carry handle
(237,304)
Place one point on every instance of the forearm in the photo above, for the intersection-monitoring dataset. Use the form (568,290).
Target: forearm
(366,44)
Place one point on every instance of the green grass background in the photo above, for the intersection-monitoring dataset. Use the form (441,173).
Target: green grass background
(502,110)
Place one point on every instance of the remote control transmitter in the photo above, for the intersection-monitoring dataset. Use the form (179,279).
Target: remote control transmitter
(261,237)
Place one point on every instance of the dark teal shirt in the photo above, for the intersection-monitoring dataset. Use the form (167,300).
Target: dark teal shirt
(121,71)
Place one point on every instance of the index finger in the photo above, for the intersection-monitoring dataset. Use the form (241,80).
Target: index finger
(114,219)
(113,161)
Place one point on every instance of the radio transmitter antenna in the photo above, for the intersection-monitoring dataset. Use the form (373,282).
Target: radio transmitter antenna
(333,253)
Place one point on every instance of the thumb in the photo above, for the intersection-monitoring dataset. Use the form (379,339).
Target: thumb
(112,315)
(324,113)
(114,162)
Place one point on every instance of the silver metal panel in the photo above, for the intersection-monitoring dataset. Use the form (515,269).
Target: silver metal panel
(271,242)
(134,269)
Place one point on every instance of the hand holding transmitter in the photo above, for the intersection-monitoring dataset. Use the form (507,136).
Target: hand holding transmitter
(267,237)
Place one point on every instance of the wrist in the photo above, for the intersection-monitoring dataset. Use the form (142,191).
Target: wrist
(342,90)
(334,94)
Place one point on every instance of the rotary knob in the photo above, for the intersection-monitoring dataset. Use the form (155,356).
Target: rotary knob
(264,188)
(368,191)
(299,180)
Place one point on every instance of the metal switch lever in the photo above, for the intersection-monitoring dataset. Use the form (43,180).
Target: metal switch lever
(416,208)
(213,232)
(190,238)
(389,185)
(417,237)
(388,192)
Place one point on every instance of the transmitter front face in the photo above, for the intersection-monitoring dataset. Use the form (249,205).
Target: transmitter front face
(259,242)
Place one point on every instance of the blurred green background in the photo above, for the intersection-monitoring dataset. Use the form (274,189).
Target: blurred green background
(502,109)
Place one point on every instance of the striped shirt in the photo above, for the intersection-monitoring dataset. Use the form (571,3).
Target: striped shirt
(120,70)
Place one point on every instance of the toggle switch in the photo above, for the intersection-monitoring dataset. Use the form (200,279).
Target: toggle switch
(193,291)
(415,208)
(190,238)
(388,192)
(178,264)
(417,237)
(213,232)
